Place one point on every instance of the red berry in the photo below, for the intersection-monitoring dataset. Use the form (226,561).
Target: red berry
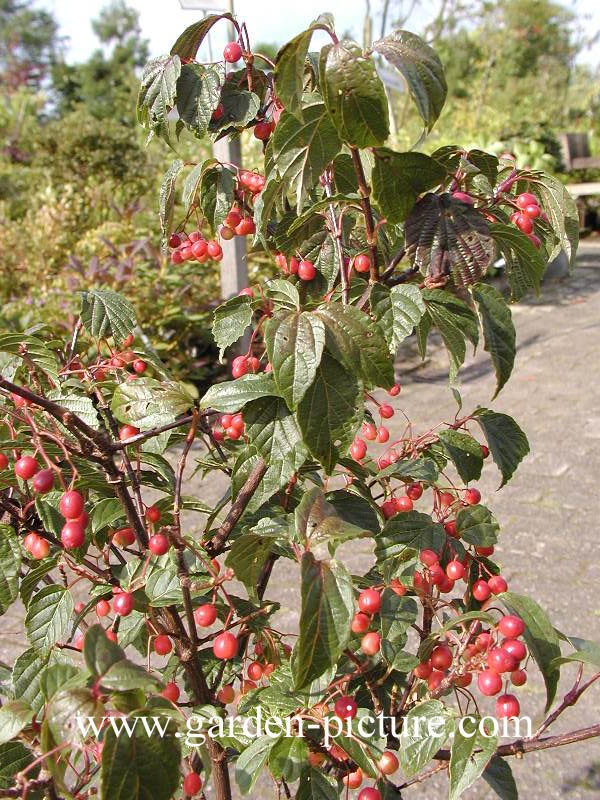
(124,537)
(370,794)
(247,292)
(294,265)
(481,591)
(383,462)
(127,432)
(472,497)
(395,390)
(71,505)
(526,199)
(233,219)
(192,783)
(110,634)
(246,227)
(174,241)
(403,503)
(370,643)
(388,509)
(255,671)
(533,211)
(102,608)
(423,670)
(225,646)
(72,535)
(489,683)
(518,677)
(171,692)
(515,648)
(226,694)
(414,491)
(388,763)
(205,615)
(429,557)
(153,514)
(262,130)
(43,481)
(306,271)
(386,411)
(225,421)
(450,528)
(358,450)
(369,601)
(482,642)
(497,584)
(484,551)
(360,623)
(233,433)
(524,223)
(162,645)
(30,540)
(3,461)
(353,779)
(239,366)
(455,570)
(499,660)
(382,434)
(362,263)
(26,467)
(218,112)
(369,431)
(232,52)
(345,707)
(434,680)
(158,544)
(446,499)
(40,549)
(139,366)
(441,657)
(511,626)
(507,706)
(485,451)
(123,604)
(78,641)
(398,588)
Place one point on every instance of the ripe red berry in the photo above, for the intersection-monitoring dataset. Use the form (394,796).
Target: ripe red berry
(388,763)
(414,491)
(388,509)
(382,434)
(370,643)
(124,537)
(511,626)
(369,431)
(403,503)
(26,467)
(153,514)
(450,528)
(483,641)
(383,462)
(306,270)
(423,670)
(246,227)
(72,535)
(110,634)
(233,219)
(362,263)
(162,645)
(239,366)
(225,646)
(518,677)
(3,461)
(524,223)
(358,450)
(78,641)
(171,692)
(386,411)
(533,211)
(192,783)
(232,52)
(429,557)
(205,615)
(255,671)
(360,623)
(481,591)
(158,544)
(526,199)
(102,608)
(369,601)
(218,112)
(434,680)
(446,499)
(174,241)
(262,130)
(127,431)
(489,683)
(177,257)
(455,570)
(485,451)
(398,588)
(472,497)
(226,694)
(123,604)
(484,551)
(40,549)
(71,505)
(43,481)
(345,707)
(515,648)
(370,794)
(441,657)
(499,660)
(507,706)
(497,584)
(353,779)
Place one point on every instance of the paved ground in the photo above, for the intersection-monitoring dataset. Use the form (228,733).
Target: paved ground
(547,512)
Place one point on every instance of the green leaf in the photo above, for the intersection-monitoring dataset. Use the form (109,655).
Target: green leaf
(542,640)
(106,313)
(409,529)
(191,185)
(585,652)
(10,566)
(166,198)
(422,71)
(163,588)
(198,94)
(216,199)
(35,575)
(289,71)
(251,762)
(232,396)
(283,293)
(187,45)
(141,766)
(14,757)
(498,775)
(397,311)
(469,756)
(105,513)
(124,675)
(498,330)
(303,148)
(99,652)
(507,442)
(397,614)
(455,321)
(477,526)
(465,453)
(246,557)
(356,342)
(295,342)
(83,407)
(412,469)
(240,106)
(330,412)
(560,206)
(157,93)
(65,708)
(486,163)
(327,607)
(230,321)
(26,676)
(147,403)
(428,725)
(525,264)
(315,785)
(399,178)
(14,716)
(316,518)
(35,349)
(444,236)
(55,676)
(288,757)
(273,430)
(47,618)
(354,95)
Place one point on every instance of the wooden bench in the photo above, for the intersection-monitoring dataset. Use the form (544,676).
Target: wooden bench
(576,155)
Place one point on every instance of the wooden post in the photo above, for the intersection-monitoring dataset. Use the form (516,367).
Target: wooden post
(234,266)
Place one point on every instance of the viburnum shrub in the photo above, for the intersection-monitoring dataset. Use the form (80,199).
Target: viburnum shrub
(112,555)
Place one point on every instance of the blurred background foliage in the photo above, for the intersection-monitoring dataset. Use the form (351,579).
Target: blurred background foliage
(79,187)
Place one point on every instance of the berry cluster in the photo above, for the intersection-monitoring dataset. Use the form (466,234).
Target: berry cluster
(304,269)
(528,210)
(193,248)
(233,427)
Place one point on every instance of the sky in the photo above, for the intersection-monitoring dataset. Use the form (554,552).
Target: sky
(267,20)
